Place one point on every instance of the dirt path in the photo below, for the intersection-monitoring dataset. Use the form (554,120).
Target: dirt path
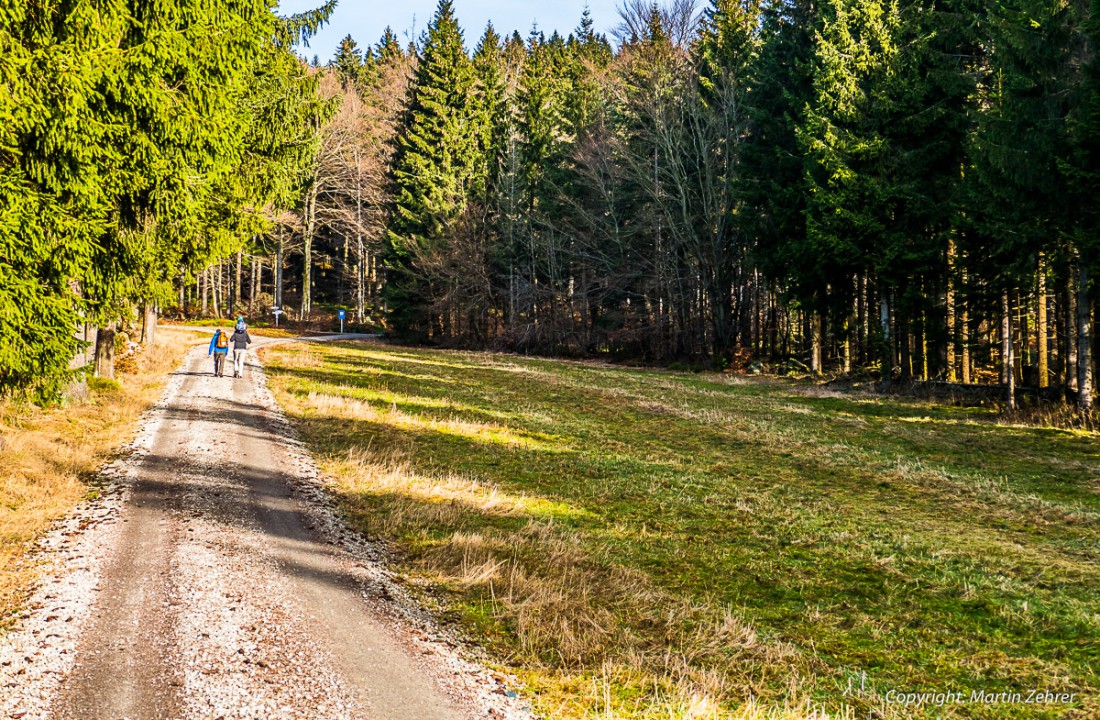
(215,583)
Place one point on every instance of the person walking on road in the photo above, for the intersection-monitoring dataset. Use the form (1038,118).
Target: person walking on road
(219,348)
(240,342)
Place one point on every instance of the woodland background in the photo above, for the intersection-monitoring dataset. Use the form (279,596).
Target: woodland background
(903,189)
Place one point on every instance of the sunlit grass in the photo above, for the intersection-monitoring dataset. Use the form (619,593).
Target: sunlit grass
(646,544)
(339,406)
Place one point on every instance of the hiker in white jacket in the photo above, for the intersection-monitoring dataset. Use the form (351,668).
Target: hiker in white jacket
(241,341)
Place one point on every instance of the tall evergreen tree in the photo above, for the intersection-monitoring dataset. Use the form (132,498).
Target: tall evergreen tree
(350,62)
(773,183)
(490,105)
(433,170)
(56,183)
(884,140)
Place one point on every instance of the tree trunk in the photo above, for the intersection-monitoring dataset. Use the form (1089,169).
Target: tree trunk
(815,342)
(1042,329)
(205,275)
(1072,328)
(952,323)
(903,329)
(215,294)
(925,366)
(1084,341)
(1021,339)
(363,262)
(307,252)
(105,352)
(862,323)
(149,324)
(886,351)
(964,344)
(278,270)
(89,349)
(1007,359)
(237,285)
(847,347)
(254,266)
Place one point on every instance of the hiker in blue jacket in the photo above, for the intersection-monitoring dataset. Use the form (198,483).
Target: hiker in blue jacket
(219,348)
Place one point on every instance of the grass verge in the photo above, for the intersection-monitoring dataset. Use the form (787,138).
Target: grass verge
(48,456)
(647,544)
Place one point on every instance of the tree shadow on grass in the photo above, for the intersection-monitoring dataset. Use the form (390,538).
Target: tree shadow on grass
(707,549)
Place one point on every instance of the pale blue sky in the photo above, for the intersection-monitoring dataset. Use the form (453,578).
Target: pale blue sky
(365,20)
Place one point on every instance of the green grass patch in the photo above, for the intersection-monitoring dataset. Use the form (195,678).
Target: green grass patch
(103,385)
(648,544)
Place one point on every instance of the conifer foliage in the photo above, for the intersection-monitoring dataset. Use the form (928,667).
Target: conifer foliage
(434,165)
(904,189)
(128,158)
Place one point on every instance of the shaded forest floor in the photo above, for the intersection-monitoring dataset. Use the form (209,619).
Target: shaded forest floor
(652,544)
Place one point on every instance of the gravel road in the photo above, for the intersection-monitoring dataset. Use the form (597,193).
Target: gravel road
(213,580)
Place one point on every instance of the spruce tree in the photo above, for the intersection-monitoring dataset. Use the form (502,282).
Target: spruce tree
(389,48)
(139,167)
(434,168)
(350,63)
(490,104)
(884,138)
(1082,166)
(589,54)
(56,184)
(773,184)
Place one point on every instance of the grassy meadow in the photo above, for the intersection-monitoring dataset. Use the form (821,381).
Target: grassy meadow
(650,544)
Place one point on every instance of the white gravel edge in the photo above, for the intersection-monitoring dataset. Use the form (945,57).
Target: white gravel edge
(38,652)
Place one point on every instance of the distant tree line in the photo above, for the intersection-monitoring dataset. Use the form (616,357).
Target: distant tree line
(139,142)
(905,187)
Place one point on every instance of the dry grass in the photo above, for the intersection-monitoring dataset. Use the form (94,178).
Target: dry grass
(48,456)
(640,544)
(567,613)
